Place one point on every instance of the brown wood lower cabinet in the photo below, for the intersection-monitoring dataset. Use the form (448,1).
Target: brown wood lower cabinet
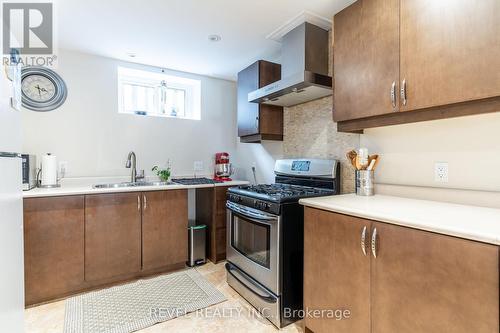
(211,211)
(112,235)
(418,282)
(424,283)
(78,243)
(336,271)
(53,247)
(164,228)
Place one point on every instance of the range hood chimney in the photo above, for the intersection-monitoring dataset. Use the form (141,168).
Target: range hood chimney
(304,69)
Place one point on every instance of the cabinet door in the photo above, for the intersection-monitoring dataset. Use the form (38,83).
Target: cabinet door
(112,235)
(428,283)
(336,272)
(248,113)
(450,51)
(366,59)
(164,228)
(53,247)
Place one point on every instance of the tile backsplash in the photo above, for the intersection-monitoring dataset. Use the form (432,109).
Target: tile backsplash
(309,131)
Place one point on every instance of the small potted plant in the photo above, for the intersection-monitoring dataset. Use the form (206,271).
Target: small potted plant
(164,174)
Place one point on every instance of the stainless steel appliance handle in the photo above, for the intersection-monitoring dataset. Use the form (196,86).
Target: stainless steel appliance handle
(250,284)
(363,240)
(403,92)
(248,213)
(9,154)
(374,243)
(393,94)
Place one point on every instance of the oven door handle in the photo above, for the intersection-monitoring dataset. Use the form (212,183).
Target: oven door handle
(245,212)
(248,282)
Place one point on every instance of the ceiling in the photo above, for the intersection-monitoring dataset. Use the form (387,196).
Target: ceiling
(174,33)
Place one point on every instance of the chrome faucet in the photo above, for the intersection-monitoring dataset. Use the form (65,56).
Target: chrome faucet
(132,163)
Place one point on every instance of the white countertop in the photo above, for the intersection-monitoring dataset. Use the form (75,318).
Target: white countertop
(469,222)
(79,188)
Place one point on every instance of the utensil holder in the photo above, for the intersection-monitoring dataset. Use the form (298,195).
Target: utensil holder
(365,182)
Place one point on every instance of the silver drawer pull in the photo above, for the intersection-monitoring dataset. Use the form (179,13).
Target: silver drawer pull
(403,92)
(374,243)
(363,240)
(393,94)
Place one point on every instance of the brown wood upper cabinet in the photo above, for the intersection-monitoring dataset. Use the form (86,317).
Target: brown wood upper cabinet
(257,122)
(164,228)
(112,235)
(395,279)
(366,59)
(394,55)
(53,247)
(450,51)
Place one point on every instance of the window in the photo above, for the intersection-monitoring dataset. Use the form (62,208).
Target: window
(157,94)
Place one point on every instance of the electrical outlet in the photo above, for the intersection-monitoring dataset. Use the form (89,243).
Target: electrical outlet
(441,172)
(63,168)
(198,165)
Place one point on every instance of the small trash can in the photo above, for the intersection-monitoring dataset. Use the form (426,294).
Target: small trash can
(197,237)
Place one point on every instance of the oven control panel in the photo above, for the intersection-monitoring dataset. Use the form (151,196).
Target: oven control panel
(262,205)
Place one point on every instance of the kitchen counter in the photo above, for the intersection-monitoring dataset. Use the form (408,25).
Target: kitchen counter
(469,222)
(82,188)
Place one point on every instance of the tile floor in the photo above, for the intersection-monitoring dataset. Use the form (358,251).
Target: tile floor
(49,318)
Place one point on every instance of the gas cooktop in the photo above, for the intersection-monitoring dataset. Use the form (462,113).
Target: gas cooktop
(195,181)
(280,192)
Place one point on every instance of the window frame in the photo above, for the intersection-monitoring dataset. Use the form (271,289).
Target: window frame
(150,79)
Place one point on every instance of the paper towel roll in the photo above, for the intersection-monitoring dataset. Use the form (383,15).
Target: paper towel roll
(49,170)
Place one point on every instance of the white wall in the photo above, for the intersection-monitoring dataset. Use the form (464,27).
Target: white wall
(470,145)
(94,139)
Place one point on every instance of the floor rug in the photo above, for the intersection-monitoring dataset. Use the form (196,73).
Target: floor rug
(134,306)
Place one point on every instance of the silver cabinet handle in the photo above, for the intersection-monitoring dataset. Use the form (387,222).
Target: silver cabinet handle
(393,94)
(363,240)
(257,122)
(145,202)
(374,243)
(138,202)
(403,92)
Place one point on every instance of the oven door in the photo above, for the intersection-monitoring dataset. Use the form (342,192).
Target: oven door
(253,244)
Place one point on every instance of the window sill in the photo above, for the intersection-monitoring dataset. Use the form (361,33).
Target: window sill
(157,115)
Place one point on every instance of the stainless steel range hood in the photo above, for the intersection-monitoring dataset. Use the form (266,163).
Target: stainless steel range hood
(304,69)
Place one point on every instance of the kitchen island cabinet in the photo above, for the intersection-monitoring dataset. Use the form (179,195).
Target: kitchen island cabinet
(397,279)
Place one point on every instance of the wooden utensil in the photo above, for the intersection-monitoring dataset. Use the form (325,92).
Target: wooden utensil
(373,160)
(358,163)
(351,156)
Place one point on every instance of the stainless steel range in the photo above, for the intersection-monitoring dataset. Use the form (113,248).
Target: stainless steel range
(265,240)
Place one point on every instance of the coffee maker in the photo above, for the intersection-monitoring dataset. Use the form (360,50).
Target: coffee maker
(223,169)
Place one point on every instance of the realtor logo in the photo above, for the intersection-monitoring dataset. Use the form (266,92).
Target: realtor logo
(28,27)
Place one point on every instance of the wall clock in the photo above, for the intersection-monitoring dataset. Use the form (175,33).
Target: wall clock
(42,89)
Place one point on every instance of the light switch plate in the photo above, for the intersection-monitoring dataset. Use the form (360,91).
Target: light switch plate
(441,172)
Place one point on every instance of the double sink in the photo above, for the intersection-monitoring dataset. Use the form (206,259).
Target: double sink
(131,184)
